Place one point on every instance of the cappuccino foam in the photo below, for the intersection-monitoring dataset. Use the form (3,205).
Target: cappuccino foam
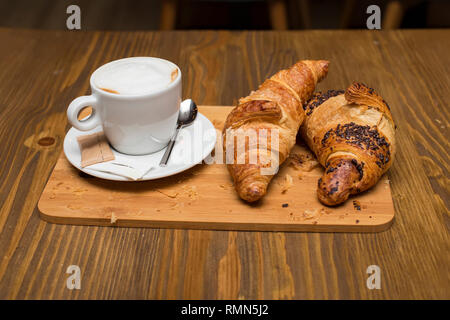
(136,76)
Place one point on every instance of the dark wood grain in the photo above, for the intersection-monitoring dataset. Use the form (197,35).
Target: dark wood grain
(42,71)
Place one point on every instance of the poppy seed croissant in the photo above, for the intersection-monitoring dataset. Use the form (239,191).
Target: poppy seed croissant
(352,134)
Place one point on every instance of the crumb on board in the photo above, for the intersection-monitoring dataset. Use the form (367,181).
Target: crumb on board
(357,221)
(314,213)
(113,218)
(168,193)
(58,185)
(226,186)
(303,161)
(285,205)
(287,183)
(191,192)
(356,205)
(310,214)
(73,207)
(80,191)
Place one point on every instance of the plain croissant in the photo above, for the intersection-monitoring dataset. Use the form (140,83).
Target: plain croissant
(352,135)
(277,106)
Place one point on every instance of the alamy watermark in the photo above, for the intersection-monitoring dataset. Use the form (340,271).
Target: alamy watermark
(73,21)
(74,280)
(374,280)
(374,20)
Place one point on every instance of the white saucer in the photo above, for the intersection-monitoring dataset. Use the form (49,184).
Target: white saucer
(194,143)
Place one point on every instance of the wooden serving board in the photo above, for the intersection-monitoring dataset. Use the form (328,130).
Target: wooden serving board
(204,198)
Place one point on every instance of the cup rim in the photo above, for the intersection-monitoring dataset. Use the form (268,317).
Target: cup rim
(174,83)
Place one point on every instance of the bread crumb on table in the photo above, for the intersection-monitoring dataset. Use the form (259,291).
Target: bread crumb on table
(191,192)
(74,207)
(175,206)
(168,193)
(226,186)
(303,161)
(314,213)
(310,214)
(287,183)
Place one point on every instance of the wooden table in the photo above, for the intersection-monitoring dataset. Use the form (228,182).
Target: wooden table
(42,71)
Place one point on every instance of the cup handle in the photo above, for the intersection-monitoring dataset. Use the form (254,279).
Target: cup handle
(76,106)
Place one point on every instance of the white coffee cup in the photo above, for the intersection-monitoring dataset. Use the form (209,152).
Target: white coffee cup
(134,123)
